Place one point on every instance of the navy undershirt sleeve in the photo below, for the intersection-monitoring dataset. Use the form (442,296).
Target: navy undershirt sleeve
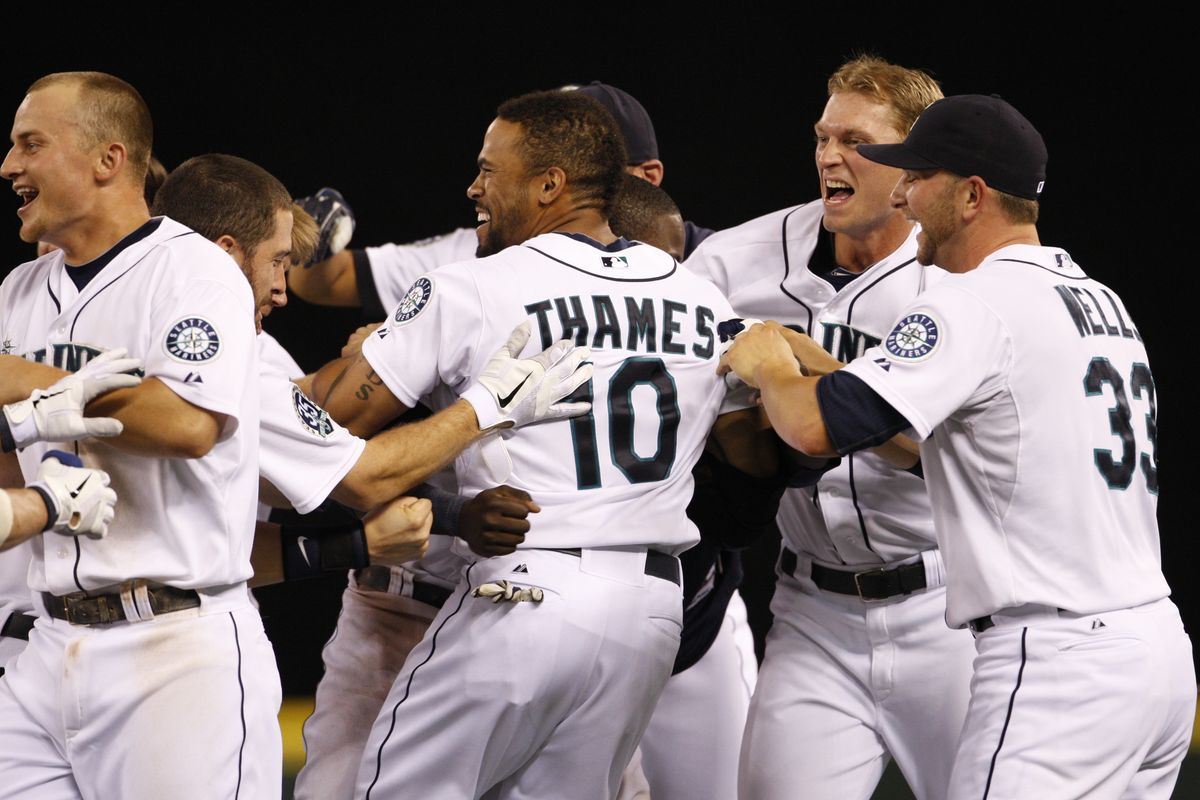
(855,416)
(368,295)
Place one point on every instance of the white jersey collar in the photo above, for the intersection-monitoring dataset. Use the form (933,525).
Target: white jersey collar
(1054,259)
(639,262)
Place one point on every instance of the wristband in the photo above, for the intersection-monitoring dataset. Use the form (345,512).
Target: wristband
(310,551)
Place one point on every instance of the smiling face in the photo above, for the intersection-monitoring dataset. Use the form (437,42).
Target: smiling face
(503,191)
(929,197)
(49,167)
(855,192)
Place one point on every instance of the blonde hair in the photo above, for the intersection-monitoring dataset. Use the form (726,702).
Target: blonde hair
(906,91)
(305,235)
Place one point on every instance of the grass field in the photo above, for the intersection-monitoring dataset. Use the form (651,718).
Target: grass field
(296,709)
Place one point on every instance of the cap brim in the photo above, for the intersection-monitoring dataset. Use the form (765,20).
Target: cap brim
(895,155)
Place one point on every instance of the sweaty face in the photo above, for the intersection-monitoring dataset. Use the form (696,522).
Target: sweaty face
(928,198)
(502,191)
(855,192)
(266,267)
(48,165)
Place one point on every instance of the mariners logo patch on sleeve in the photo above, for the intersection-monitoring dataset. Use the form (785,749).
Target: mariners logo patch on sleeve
(913,338)
(314,418)
(414,300)
(192,339)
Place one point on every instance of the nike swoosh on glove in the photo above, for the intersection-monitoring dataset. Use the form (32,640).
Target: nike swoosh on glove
(82,499)
(511,391)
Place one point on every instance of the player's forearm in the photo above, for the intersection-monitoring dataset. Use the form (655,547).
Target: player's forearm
(19,377)
(354,395)
(899,451)
(743,440)
(399,459)
(29,516)
(331,282)
(790,400)
(157,422)
(266,556)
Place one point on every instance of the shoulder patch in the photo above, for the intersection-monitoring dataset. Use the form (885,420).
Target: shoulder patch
(314,418)
(414,300)
(191,340)
(914,338)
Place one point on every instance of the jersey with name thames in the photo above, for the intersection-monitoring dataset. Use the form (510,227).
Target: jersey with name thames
(180,304)
(620,475)
(864,511)
(1032,392)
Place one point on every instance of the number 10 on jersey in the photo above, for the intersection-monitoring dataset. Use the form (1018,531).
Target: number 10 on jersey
(632,373)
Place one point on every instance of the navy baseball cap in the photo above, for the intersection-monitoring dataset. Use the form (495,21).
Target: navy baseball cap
(972,134)
(635,123)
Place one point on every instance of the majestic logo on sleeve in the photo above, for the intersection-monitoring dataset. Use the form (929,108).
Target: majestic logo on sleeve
(192,339)
(314,418)
(913,338)
(414,300)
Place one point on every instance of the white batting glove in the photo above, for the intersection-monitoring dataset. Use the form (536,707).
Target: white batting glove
(512,391)
(83,503)
(56,414)
(502,590)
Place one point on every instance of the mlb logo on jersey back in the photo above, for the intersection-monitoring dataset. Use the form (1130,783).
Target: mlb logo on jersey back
(614,262)
(314,418)
(913,338)
(414,300)
(192,339)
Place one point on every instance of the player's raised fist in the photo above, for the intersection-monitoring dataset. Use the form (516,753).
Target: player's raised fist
(495,521)
(398,530)
(335,222)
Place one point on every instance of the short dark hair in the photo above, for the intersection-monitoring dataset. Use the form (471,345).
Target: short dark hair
(156,173)
(109,110)
(219,195)
(1018,210)
(638,207)
(575,133)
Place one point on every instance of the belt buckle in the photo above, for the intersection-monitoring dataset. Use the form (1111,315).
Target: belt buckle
(879,571)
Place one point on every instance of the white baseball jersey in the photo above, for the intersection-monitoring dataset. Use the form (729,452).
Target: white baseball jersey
(865,510)
(1031,390)
(394,267)
(179,303)
(270,351)
(620,475)
(302,452)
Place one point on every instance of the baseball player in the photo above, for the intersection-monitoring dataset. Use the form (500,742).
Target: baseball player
(859,665)
(1030,390)
(201,193)
(597,619)
(148,673)
(690,747)
(393,608)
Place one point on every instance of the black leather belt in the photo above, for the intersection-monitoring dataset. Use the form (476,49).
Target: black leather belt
(18,626)
(871,584)
(379,579)
(981,624)
(658,564)
(81,608)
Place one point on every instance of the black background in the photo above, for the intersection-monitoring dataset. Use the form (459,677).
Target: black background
(391,109)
